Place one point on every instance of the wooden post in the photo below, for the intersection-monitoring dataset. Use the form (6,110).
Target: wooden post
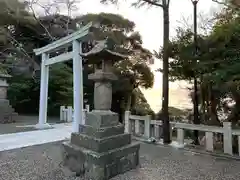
(209,141)
(77,86)
(147,124)
(42,121)
(127,124)
(227,137)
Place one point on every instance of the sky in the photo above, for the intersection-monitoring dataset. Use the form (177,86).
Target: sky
(149,23)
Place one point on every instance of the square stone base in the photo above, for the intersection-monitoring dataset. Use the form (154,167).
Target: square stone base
(101,166)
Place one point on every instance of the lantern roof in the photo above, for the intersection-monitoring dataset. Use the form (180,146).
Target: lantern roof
(103,50)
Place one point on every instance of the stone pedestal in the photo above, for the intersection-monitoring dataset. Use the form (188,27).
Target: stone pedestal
(101,150)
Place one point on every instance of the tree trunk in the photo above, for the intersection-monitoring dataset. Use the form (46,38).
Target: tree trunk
(203,101)
(234,116)
(165,94)
(213,102)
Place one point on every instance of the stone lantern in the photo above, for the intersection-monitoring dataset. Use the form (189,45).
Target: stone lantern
(101,149)
(103,77)
(3,87)
(7,114)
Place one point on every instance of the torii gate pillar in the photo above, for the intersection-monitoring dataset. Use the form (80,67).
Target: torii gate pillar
(42,121)
(77,86)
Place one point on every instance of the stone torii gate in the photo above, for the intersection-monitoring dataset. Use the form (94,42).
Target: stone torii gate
(75,40)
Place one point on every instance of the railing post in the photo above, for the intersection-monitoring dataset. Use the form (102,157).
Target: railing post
(127,124)
(147,124)
(84,116)
(180,136)
(171,130)
(87,107)
(156,130)
(65,114)
(227,137)
(61,112)
(69,114)
(209,141)
(239,145)
(137,126)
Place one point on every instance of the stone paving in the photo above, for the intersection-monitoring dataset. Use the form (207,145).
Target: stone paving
(43,162)
(59,132)
(23,124)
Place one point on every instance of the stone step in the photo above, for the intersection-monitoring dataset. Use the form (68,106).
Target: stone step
(5,105)
(4,102)
(101,166)
(101,132)
(6,108)
(6,112)
(100,145)
(8,117)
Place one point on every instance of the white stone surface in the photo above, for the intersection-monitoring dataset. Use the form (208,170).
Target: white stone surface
(24,139)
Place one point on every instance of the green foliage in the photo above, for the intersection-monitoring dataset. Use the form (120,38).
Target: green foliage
(23,94)
(18,58)
(24,91)
(216,64)
(140,106)
(60,87)
(14,12)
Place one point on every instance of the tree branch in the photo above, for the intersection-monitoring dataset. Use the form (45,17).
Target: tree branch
(220,2)
(20,49)
(71,6)
(168,2)
(39,21)
(153,2)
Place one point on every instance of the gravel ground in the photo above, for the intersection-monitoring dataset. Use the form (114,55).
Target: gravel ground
(43,162)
